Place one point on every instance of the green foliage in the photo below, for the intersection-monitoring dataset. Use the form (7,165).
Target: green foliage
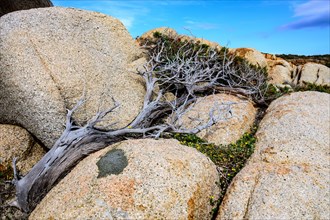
(266,93)
(177,46)
(157,34)
(273,92)
(313,87)
(229,159)
(236,72)
(302,59)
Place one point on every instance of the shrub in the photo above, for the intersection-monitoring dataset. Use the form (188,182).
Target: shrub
(171,55)
(229,159)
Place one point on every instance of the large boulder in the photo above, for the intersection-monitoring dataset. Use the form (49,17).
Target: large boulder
(312,73)
(50,57)
(17,142)
(8,6)
(287,177)
(236,117)
(280,71)
(135,179)
(253,56)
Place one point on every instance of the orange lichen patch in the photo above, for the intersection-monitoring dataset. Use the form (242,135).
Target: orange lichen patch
(305,167)
(81,191)
(242,51)
(120,191)
(270,56)
(192,204)
(283,170)
(178,165)
(141,207)
(265,167)
(269,150)
(280,113)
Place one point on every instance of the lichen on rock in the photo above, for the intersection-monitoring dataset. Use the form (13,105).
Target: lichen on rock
(113,162)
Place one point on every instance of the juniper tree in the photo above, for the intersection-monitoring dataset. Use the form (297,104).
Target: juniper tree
(183,68)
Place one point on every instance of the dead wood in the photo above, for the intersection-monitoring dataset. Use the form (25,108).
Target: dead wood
(187,74)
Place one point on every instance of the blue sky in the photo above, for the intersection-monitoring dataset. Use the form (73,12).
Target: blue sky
(272,26)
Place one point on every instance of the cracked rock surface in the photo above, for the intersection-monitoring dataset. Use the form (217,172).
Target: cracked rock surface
(312,73)
(288,176)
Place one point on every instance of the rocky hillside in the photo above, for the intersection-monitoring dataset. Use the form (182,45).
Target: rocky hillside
(166,127)
(301,59)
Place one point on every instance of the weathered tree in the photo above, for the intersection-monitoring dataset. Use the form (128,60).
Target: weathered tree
(181,68)
(7,6)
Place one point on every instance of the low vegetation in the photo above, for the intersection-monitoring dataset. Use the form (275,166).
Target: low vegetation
(229,159)
(312,87)
(274,92)
(222,71)
(301,59)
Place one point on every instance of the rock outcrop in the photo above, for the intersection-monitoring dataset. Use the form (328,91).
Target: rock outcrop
(280,71)
(172,33)
(253,56)
(312,73)
(237,117)
(8,6)
(162,30)
(50,57)
(135,179)
(17,142)
(287,177)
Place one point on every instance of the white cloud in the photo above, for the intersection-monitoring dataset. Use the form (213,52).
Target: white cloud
(128,21)
(312,8)
(314,13)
